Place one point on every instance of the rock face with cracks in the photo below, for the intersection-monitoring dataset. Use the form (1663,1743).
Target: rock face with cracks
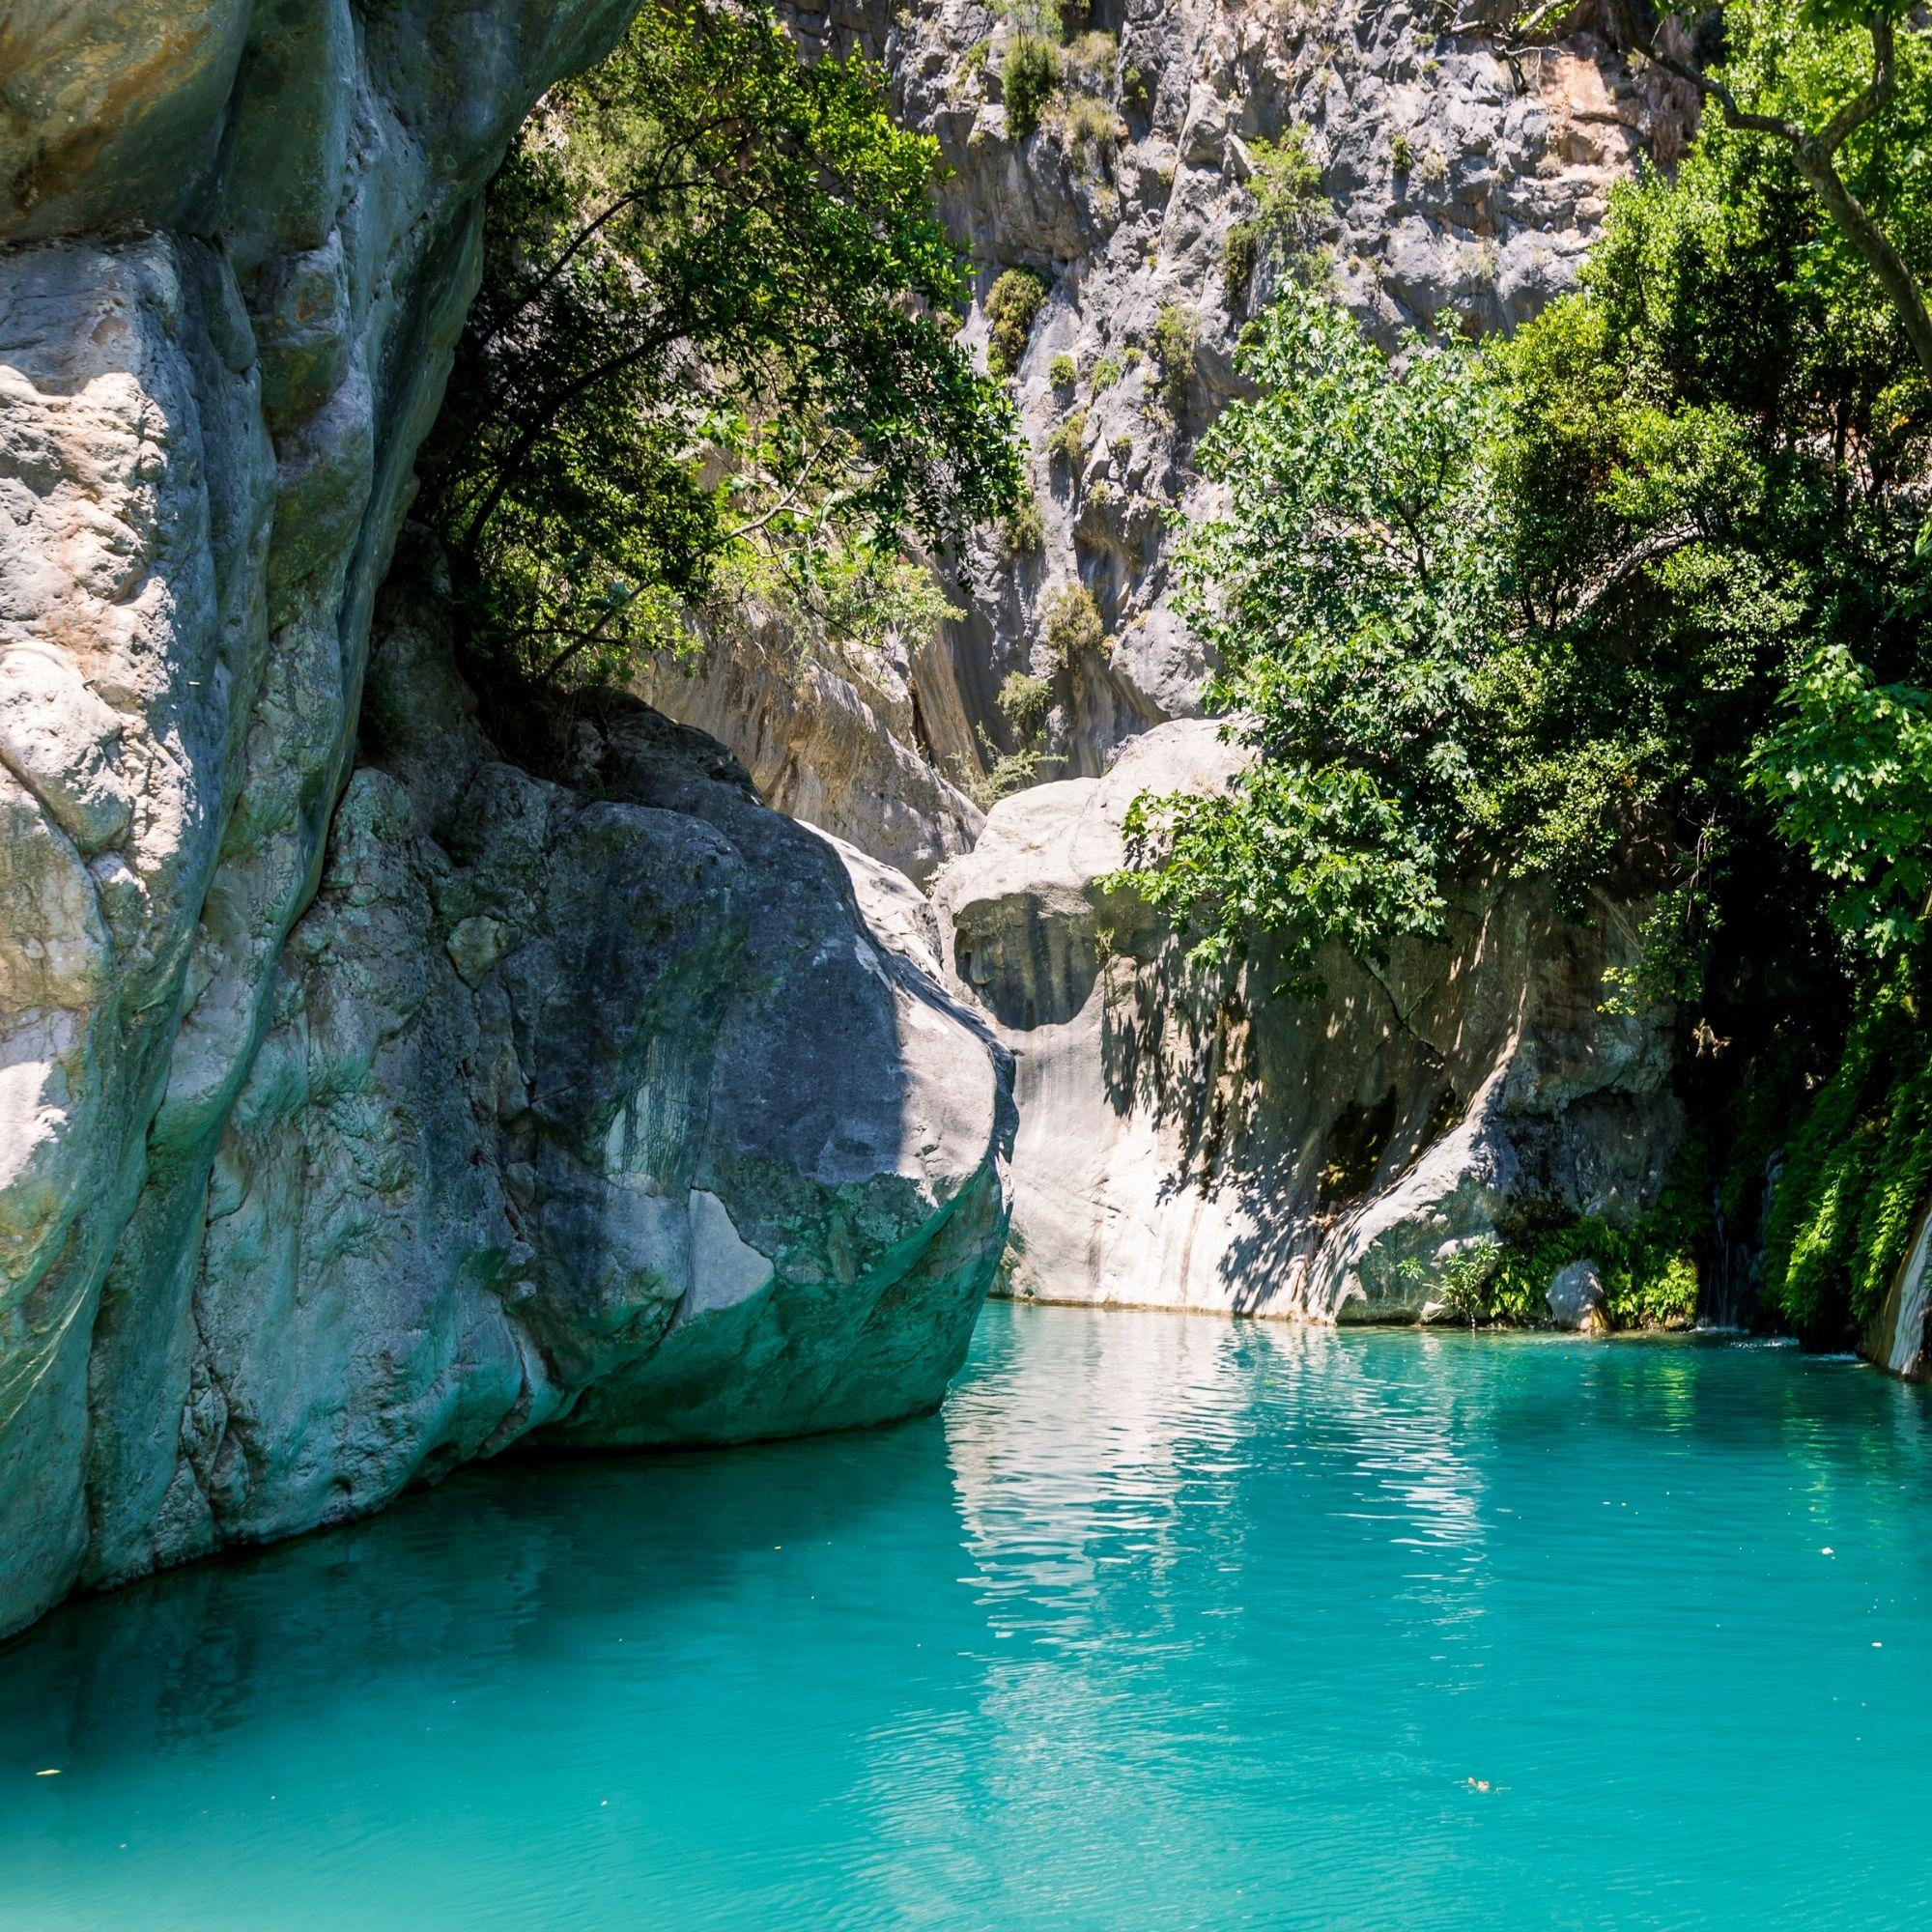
(1459,177)
(328,1158)
(1188,1139)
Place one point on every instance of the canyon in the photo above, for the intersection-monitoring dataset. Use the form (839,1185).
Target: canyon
(370,1104)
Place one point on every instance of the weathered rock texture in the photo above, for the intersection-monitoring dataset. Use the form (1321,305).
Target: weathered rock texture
(291,1212)
(830,733)
(1901,1335)
(1189,1140)
(1122,203)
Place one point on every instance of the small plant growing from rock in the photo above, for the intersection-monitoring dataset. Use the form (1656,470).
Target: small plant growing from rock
(1087,127)
(1122,447)
(1024,701)
(1090,59)
(1061,372)
(1024,532)
(1462,1288)
(1287,188)
(1401,153)
(1071,627)
(1241,251)
(1005,775)
(1106,372)
(1136,90)
(1028,76)
(1176,333)
(1067,443)
(971,77)
(1013,305)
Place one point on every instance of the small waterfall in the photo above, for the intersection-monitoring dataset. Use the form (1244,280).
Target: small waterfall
(1728,1298)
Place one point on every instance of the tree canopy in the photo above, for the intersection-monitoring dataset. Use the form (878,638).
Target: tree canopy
(1635,600)
(715,331)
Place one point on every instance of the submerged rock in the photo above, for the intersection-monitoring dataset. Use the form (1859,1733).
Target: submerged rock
(1189,1139)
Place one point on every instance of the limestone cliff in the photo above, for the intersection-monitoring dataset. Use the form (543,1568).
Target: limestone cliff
(353,1120)
(1461,179)
(1187,1138)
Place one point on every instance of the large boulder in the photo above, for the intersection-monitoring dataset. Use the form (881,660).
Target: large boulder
(237,242)
(596,1119)
(1190,1139)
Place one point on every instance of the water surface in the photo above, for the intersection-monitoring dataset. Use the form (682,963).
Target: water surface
(1162,1621)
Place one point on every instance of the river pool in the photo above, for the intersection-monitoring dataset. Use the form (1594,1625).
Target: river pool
(1163,1621)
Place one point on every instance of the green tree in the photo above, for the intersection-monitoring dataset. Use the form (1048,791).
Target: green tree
(715,326)
(1540,606)
(1352,594)
(1834,91)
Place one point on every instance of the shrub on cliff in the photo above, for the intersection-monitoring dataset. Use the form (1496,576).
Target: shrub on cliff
(1071,626)
(1024,703)
(1028,76)
(714,333)
(1176,335)
(1013,305)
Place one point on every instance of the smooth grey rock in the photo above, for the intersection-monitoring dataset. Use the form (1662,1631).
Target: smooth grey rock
(1575,1295)
(1187,1138)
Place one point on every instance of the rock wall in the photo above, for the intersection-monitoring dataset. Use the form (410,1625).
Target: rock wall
(297,1207)
(1462,178)
(829,733)
(1899,1338)
(1189,1140)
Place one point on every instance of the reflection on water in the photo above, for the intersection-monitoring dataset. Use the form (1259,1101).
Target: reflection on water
(1164,1621)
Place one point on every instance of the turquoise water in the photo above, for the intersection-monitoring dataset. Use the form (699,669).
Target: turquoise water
(1162,1621)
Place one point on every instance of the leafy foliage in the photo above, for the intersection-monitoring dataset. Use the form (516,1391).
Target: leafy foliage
(1024,531)
(1241,251)
(1071,627)
(1859,1172)
(1176,335)
(1851,765)
(1024,703)
(1349,593)
(1028,76)
(1012,307)
(714,337)
(1289,209)
(1066,440)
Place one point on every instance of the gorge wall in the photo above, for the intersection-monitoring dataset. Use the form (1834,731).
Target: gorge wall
(1186,1138)
(1190,1139)
(1462,178)
(354,1119)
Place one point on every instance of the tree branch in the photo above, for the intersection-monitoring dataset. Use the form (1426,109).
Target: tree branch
(1815,156)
